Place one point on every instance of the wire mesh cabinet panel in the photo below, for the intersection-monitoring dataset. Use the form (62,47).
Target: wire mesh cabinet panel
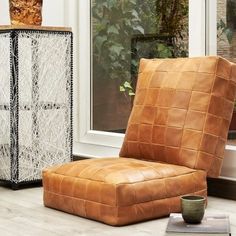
(35,102)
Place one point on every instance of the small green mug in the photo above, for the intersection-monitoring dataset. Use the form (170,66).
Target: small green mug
(193,208)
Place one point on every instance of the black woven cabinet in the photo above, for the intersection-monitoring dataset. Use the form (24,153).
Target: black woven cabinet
(35,101)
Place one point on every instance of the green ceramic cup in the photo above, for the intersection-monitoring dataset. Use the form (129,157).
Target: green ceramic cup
(193,208)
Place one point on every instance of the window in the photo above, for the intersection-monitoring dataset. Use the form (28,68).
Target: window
(226,29)
(226,42)
(96,131)
(122,33)
(222,38)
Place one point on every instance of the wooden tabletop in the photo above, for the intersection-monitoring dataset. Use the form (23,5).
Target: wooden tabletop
(32,27)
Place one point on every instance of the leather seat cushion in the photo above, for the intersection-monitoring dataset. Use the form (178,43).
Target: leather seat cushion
(119,191)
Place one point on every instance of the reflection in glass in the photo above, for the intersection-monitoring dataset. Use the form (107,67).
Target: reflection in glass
(226,42)
(123,31)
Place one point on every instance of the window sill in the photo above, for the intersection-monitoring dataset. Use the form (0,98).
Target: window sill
(231,145)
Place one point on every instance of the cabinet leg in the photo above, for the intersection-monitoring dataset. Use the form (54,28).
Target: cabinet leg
(14,186)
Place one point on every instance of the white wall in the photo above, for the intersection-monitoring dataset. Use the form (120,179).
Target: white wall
(53,13)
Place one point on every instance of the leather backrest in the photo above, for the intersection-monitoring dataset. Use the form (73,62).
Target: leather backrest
(182,111)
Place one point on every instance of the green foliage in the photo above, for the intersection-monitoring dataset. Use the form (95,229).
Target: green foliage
(116,22)
(148,16)
(127,87)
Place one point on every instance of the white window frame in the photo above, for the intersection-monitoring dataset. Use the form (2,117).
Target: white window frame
(211,27)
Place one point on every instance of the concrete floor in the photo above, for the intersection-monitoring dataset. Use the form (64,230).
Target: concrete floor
(22,213)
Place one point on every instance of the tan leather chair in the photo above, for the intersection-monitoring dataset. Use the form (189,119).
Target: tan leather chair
(175,137)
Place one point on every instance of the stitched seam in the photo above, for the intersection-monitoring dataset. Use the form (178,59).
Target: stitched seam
(193,171)
(58,194)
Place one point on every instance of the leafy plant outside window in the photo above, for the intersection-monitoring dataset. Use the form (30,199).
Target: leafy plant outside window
(117,22)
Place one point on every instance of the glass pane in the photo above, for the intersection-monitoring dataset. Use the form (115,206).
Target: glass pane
(123,31)
(226,29)
(226,41)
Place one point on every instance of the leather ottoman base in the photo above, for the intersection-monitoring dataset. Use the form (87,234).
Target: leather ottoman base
(120,191)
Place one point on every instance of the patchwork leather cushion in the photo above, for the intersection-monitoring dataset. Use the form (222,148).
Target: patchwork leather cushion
(120,191)
(182,111)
